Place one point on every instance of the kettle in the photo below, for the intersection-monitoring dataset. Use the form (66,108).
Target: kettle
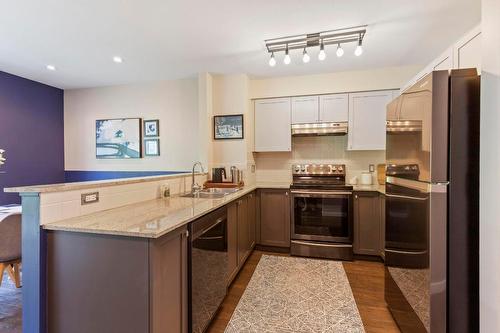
(218,175)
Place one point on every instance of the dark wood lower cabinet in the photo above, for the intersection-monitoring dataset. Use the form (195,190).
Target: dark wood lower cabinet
(274,222)
(367,223)
(241,232)
(382,226)
(104,283)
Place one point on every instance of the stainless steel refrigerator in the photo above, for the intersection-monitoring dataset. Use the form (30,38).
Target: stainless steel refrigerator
(432,204)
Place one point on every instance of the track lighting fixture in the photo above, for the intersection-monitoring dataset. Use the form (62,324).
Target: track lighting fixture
(305,57)
(287,58)
(359,48)
(322,53)
(272,61)
(320,39)
(340,51)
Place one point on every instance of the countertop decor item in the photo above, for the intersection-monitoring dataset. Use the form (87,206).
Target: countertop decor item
(228,127)
(118,138)
(366,178)
(151,128)
(152,147)
(381,174)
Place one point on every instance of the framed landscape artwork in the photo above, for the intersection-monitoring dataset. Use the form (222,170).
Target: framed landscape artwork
(118,138)
(228,127)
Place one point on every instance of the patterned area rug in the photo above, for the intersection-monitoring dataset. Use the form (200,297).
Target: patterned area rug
(297,295)
(414,284)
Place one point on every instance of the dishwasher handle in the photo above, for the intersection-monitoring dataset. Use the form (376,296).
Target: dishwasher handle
(217,222)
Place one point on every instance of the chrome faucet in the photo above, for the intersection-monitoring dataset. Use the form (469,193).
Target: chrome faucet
(195,188)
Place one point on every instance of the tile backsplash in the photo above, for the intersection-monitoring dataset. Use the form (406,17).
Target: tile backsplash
(276,167)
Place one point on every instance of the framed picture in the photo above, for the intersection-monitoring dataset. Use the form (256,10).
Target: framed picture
(152,147)
(118,138)
(151,128)
(228,127)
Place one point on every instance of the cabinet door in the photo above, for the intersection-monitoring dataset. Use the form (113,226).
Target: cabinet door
(444,62)
(273,125)
(468,51)
(334,108)
(251,220)
(382,225)
(274,218)
(305,110)
(367,120)
(242,230)
(232,241)
(366,223)
(168,282)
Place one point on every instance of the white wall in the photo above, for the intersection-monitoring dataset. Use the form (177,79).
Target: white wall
(490,166)
(230,96)
(376,79)
(174,103)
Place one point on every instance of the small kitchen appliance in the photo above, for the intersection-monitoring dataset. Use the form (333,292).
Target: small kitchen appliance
(218,175)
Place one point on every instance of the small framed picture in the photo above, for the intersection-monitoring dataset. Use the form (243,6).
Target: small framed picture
(151,128)
(152,147)
(228,127)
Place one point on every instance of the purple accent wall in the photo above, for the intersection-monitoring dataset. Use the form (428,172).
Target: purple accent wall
(32,134)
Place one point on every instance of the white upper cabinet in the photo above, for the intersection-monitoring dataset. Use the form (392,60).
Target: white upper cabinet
(273,125)
(334,108)
(468,50)
(465,53)
(305,110)
(367,120)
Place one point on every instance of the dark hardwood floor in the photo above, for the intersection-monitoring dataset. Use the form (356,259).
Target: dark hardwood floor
(367,284)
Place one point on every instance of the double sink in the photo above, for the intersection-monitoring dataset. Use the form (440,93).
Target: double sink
(211,193)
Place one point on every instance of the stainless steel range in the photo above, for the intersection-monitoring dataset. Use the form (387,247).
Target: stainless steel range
(321,211)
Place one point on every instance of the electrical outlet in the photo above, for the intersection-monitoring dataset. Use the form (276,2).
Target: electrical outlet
(88,198)
(371,167)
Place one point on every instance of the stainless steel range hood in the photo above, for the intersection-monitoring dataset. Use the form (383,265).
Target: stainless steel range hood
(403,126)
(315,129)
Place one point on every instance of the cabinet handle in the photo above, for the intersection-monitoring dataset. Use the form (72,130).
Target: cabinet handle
(250,195)
(356,196)
(286,193)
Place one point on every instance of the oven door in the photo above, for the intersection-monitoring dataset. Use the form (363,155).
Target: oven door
(322,216)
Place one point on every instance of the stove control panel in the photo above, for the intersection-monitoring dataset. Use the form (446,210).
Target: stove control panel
(318,169)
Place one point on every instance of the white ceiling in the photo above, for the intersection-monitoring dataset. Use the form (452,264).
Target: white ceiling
(168,39)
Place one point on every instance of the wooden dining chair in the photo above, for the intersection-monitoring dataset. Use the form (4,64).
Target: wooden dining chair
(10,248)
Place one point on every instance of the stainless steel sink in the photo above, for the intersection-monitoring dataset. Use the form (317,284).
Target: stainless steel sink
(211,193)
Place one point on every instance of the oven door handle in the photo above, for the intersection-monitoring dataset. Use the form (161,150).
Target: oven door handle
(405,197)
(322,192)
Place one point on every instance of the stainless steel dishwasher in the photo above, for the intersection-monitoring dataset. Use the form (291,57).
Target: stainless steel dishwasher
(208,260)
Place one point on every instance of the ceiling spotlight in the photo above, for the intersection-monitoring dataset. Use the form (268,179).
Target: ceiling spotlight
(287,58)
(51,67)
(322,54)
(305,56)
(340,51)
(272,61)
(359,49)
(117,59)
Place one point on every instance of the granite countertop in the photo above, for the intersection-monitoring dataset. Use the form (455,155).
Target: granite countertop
(149,219)
(62,187)
(371,188)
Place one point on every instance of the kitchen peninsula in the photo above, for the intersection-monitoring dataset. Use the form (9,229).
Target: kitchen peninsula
(124,263)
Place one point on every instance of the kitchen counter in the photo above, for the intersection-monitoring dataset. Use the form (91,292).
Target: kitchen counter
(63,187)
(370,188)
(149,219)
